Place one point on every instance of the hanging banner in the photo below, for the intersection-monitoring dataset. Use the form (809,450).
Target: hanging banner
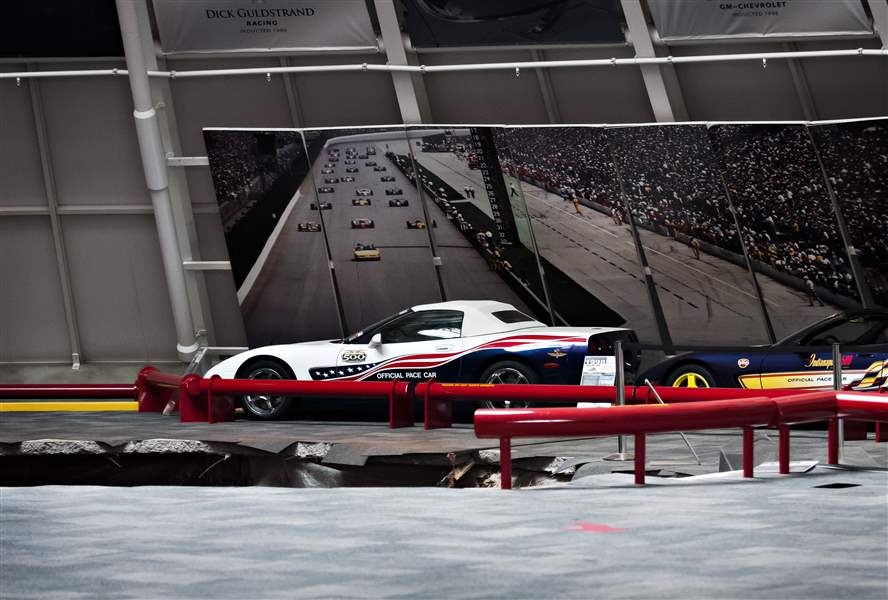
(711,19)
(449,23)
(251,26)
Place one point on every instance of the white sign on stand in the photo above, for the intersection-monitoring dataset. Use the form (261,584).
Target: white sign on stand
(598,370)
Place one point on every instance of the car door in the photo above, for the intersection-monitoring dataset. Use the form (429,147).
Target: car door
(814,369)
(416,346)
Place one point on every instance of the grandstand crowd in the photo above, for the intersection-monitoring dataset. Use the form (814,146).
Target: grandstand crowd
(673,182)
(246,163)
(856,159)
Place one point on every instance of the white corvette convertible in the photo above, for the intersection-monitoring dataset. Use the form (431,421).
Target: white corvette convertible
(460,341)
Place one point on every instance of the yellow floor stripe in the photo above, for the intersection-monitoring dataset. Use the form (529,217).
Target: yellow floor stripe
(67,406)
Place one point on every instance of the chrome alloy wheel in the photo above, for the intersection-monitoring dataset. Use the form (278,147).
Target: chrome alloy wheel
(260,404)
(506,375)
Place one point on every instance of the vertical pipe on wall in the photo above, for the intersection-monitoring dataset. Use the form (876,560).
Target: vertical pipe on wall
(154,166)
(54,222)
(397,55)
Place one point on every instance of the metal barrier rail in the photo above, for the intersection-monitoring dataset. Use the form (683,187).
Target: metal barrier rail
(746,413)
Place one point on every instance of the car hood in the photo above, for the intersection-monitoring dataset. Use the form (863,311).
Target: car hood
(297,356)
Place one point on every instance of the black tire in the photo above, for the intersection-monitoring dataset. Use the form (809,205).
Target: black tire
(692,375)
(266,408)
(508,371)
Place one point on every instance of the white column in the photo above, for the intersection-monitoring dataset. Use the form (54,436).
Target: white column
(396,55)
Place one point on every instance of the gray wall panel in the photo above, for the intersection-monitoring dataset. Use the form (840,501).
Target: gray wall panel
(483,96)
(330,99)
(120,293)
(596,95)
(237,101)
(19,154)
(737,90)
(32,313)
(847,87)
(92,138)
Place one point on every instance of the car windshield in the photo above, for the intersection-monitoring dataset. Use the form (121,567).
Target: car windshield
(352,339)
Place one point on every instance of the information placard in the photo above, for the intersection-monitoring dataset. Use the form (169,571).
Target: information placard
(599,370)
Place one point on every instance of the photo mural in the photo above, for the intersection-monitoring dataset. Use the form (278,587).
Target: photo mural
(724,234)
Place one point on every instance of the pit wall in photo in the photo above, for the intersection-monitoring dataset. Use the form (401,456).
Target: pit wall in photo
(688,233)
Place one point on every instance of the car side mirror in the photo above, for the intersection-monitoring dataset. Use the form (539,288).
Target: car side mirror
(376,341)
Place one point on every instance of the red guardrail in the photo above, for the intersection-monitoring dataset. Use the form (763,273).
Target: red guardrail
(747,413)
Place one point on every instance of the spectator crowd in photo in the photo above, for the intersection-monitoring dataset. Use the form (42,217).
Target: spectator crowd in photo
(674,178)
(856,159)
(244,164)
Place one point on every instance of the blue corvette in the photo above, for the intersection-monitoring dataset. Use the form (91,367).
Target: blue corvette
(773,368)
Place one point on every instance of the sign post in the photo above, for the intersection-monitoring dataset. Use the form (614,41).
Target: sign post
(620,382)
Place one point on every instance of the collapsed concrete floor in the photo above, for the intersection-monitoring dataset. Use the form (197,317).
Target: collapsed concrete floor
(126,449)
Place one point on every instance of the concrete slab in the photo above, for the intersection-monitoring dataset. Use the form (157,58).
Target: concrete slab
(711,538)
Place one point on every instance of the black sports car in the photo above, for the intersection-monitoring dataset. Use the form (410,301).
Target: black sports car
(398,202)
(326,190)
(323,205)
(380,168)
(393,191)
(351,170)
(387,178)
(370,163)
(770,366)
(309,226)
(362,224)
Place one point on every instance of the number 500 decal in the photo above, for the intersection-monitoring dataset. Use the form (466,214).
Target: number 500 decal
(354,355)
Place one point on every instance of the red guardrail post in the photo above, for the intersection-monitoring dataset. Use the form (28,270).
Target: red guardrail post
(748,452)
(505,463)
(149,397)
(438,412)
(639,458)
(401,405)
(783,449)
(191,408)
(832,442)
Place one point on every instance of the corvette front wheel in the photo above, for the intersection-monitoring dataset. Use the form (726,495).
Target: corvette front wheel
(511,372)
(265,407)
(691,376)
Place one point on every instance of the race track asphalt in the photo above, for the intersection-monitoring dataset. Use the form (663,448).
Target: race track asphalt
(292,298)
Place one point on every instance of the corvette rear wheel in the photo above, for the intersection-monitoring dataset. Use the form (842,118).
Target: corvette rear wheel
(264,407)
(691,376)
(512,372)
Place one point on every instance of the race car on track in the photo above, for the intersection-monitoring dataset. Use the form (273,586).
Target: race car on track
(329,166)
(362,224)
(362,157)
(351,169)
(393,191)
(418,224)
(323,205)
(361,201)
(398,202)
(365,252)
(386,178)
(348,179)
(370,163)
(363,192)
(477,341)
(371,150)
(350,161)
(326,190)
(780,365)
(380,168)
(331,180)
(309,226)
(327,171)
